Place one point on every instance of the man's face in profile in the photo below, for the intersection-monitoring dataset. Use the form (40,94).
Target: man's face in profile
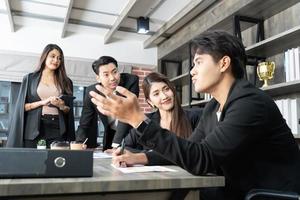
(206,73)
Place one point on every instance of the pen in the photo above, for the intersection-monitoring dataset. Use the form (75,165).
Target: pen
(84,143)
(122,146)
(85,140)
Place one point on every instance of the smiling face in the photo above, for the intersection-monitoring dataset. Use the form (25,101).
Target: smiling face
(206,73)
(161,96)
(53,60)
(108,76)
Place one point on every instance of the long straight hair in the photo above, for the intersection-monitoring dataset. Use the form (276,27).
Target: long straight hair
(61,79)
(180,125)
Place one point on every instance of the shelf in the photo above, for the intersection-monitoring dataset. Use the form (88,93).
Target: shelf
(273,90)
(283,88)
(183,78)
(200,102)
(276,44)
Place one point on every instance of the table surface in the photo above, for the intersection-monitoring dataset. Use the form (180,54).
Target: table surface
(108,179)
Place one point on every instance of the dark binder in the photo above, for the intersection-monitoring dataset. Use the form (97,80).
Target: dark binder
(26,162)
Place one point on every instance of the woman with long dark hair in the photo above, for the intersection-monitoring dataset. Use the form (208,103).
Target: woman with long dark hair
(40,113)
(160,94)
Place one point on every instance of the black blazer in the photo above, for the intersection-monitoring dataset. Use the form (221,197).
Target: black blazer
(251,144)
(154,158)
(26,125)
(88,125)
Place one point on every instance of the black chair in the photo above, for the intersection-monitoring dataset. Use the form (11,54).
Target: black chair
(271,194)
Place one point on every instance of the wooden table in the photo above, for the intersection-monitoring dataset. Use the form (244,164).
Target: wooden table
(108,183)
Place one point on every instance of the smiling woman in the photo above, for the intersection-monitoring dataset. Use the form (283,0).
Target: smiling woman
(38,109)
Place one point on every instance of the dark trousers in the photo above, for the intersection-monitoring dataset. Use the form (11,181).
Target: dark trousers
(108,138)
(49,131)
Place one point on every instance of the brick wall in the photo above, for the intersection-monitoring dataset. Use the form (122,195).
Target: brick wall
(141,73)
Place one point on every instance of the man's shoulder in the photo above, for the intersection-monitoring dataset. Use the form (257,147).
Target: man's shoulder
(126,76)
(91,87)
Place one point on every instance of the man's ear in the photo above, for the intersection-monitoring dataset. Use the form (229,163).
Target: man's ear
(98,78)
(225,63)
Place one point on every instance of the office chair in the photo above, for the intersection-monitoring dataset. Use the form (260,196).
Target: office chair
(271,194)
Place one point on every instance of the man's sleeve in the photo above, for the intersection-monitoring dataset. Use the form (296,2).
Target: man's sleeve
(134,86)
(122,128)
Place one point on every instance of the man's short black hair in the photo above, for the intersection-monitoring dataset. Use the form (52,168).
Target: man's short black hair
(103,60)
(220,43)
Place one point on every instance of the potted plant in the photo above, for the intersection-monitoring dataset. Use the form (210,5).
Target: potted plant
(41,144)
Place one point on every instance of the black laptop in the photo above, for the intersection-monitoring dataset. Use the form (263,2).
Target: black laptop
(26,162)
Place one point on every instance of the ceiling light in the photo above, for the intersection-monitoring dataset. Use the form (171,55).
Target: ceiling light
(143,25)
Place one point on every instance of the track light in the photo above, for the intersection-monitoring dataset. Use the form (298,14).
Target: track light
(143,25)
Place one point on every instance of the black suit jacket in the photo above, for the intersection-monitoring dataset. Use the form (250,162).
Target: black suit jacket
(88,125)
(26,125)
(154,158)
(251,144)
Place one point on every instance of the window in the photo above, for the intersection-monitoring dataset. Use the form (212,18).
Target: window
(5,89)
(78,104)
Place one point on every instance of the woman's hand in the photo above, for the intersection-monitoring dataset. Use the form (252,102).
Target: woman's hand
(125,108)
(57,102)
(128,158)
(47,101)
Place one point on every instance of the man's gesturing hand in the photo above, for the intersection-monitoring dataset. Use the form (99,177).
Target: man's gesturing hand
(125,107)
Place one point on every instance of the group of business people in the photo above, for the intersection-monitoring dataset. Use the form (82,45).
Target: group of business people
(240,134)
(40,113)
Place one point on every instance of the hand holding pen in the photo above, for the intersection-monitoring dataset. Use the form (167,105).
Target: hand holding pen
(122,146)
(122,164)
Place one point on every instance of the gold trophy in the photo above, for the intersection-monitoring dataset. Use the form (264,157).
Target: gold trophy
(265,71)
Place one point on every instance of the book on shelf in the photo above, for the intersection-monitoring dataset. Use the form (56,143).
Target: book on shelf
(292,64)
(290,110)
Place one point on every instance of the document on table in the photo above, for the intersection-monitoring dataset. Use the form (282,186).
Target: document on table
(100,154)
(142,168)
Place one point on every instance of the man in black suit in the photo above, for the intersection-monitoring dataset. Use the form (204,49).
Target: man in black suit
(241,135)
(106,69)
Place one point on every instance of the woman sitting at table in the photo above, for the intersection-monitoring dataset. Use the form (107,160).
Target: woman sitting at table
(160,94)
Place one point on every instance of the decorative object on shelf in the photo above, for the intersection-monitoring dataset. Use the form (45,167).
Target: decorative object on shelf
(41,144)
(265,71)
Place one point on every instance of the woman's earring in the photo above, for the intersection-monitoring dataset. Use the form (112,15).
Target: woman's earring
(154,108)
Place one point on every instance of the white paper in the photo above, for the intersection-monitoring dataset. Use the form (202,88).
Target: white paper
(102,155)
(141,168)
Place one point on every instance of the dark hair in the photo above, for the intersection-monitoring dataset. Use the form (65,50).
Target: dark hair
(219,44)
(61,79)
(179,124)
(103,60)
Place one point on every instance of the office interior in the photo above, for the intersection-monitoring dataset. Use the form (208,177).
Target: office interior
(88,29)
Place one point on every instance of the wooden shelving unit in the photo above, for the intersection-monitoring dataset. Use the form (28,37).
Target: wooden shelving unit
(196,102)
(276,44)
(269,47)
(281,89)
(183,78)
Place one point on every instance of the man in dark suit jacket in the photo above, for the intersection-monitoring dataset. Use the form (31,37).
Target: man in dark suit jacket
(114,131)
(241,135)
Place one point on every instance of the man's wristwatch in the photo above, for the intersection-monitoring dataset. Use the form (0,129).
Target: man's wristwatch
(142,126)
